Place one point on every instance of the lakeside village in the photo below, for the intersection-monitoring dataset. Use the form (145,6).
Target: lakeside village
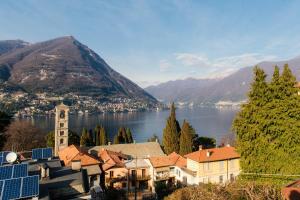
(261,162)
(28,105)
(135,170)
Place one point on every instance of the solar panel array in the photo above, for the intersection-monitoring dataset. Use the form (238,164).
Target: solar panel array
(41,153)
(13,171)
(17,188)
(3,155)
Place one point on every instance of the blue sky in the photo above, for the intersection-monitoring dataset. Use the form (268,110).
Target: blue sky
(159,40)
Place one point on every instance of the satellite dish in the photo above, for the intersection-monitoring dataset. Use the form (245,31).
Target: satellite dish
(11,157)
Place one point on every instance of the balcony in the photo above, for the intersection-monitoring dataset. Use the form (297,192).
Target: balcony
(115,179)
(140,177)
(161,177)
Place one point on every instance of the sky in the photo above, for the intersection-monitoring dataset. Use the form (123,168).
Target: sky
(155,41)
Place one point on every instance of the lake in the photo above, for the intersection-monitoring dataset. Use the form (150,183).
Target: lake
(207,121)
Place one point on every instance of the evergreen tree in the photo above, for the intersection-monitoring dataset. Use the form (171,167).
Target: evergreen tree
(91,138)
(97,135)
(84,139)
(267,127)
(171,133)
(129,135)
(116,139)
(103,136)
(186,138)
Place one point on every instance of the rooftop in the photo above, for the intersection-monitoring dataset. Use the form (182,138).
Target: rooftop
(215,154)
(72,153)
(139,150)
(172,159)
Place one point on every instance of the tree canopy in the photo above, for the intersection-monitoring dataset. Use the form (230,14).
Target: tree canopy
(171,133)
(186,138)
(268,125)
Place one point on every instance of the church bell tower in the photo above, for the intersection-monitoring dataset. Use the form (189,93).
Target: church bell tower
(61,127)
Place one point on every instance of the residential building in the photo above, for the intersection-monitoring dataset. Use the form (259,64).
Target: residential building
(138,175)
(113,165)
(77,158)
(169,169)
(216,165)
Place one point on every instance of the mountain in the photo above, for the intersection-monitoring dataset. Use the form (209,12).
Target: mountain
(10,45)
(64,65)
(231,88)
(180,90)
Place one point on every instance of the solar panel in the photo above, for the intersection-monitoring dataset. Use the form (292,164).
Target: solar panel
(11,189)
(20,170)
(47,153)
(13,171)
(30,186)
(6,172)
(17,188)
(37,154)
(41,153)
(1,185)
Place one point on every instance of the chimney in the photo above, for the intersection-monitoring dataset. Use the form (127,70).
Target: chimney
(200,147)
(44,171)
(133,141)
(76,165)
(228,145)
(207,153)
(109,143)
(156,140)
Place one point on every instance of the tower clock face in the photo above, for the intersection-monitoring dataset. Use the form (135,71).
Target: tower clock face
(62,114)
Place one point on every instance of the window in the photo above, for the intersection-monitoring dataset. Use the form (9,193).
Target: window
(143,172)
(61,133)
(172,169)
(62,114)
(221,163)
(61,141)
(179,173)
(124,185)
(220,179)
(133,173)
(111,174)
(61,125)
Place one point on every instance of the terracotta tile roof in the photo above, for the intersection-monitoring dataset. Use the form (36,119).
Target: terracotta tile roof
(222,153)
(70,153)
(112,159)
(172,159)
(177,159)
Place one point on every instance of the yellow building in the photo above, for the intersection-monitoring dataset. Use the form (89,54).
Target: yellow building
(216,165)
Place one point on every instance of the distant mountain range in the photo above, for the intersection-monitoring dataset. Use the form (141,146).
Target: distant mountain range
(208,91)
(62,65)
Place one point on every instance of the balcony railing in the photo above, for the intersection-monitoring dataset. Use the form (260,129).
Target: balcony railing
(140,178)
(115,179)
(164,176)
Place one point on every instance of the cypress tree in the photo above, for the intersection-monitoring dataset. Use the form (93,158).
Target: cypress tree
(129,135)
(103,136)
(97,135)
(171,133)
(84,139)
(186,138)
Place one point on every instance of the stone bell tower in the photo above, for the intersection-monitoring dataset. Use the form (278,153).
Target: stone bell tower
(61,127)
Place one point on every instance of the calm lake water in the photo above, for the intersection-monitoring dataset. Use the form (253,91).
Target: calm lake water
(207,121)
